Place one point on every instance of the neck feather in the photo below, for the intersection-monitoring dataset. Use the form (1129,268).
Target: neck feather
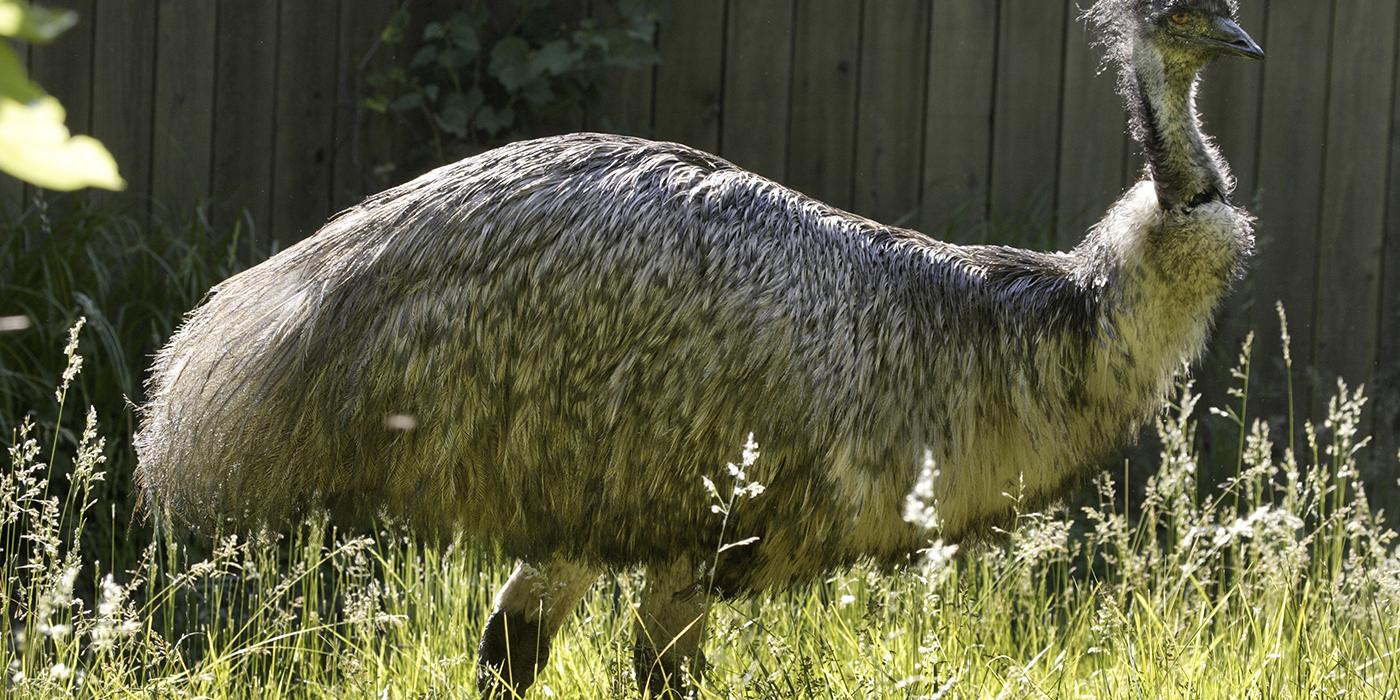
(1185,167)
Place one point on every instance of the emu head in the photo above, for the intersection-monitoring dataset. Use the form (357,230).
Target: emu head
(1182,32)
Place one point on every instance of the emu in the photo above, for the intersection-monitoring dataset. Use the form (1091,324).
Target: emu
(549,344)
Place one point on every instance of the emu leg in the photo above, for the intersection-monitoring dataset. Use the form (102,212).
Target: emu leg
(529,609)
(670,630)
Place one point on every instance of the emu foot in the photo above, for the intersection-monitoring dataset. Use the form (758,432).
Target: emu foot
(513,649)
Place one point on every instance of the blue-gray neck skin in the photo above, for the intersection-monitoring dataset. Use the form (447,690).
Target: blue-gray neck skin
(1182,162)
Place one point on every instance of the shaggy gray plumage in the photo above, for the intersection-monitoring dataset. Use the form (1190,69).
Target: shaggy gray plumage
(550,343)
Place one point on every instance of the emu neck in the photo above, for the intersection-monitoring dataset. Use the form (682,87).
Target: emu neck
(1184,166)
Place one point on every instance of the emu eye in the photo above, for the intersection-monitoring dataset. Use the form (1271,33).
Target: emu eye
(1181,19)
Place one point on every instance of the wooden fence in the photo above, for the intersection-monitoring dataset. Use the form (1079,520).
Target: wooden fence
(971,119)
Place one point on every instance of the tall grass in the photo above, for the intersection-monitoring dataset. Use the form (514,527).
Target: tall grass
(1279,582)
(131,278)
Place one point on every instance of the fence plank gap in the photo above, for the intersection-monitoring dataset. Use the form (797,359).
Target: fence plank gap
(1025,139)
(962,49)
(123,88)
(305,118)
(889,137)
(245,96)
(183,112)
(826,58)
(688,79)
(758,74)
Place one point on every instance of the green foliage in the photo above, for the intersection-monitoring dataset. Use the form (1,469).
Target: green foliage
(493,70)
(35,146)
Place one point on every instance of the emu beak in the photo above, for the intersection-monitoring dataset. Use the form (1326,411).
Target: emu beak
(1230,39)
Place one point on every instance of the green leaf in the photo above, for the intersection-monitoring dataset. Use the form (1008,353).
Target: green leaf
(405,103)
(463,35)
(32,23)
(556,57)
(11,17)
(628,52)
(538,93)
(36,147)
(376,103)
(452,60)
(398,24)
(457,110)
(510,63)
(14,84)
(434,30)
(424,56)
(493,121)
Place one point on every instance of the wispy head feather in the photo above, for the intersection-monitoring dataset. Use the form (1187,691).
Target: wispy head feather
(1120,22)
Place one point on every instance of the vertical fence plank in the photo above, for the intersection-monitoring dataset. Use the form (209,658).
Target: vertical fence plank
(958,118)
(183,114)
(245,100)
(1091,137)
(688,79)
(758,73)
(1386,389)
(1354,189)
(1292,132)
(889,131)
(305,115)
(1025,139)
(123,80)
(826,58)
(360,50)
(625,97)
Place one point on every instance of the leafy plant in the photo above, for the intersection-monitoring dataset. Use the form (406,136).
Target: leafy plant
(35,146)
(494,69)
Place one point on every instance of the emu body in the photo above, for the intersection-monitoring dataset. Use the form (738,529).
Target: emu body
(580,327)
(549,344)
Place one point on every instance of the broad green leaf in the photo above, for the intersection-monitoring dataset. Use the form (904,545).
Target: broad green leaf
(493,121)
(33,23)
(11,17)
(376,103)
(538,92)
(404,103)
(510,63)
(425,55)
(14,84)
(556,57)
(398,23)
(36,147)
(456,113)
(463,33)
